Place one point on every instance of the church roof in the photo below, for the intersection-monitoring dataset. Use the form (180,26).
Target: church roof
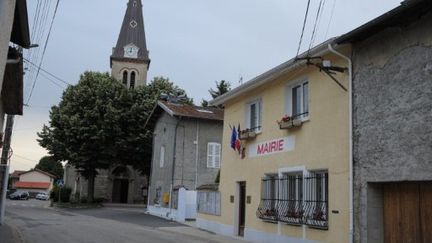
(132,32)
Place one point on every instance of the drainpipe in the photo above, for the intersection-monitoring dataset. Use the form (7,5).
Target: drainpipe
(173,164)
(196,154)
(351,174)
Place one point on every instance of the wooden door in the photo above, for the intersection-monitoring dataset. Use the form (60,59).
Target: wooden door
(408,212)
(242,207)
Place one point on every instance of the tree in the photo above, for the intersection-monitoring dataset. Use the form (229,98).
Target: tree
(222,87)
(50,165)
(99,123)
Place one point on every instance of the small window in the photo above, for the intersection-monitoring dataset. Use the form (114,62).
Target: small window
(125,77)
(267,209)
(316,199)
(213,155)
(208,202)
(297,102)
(291,199)
(132,80)
(253,115)
(162,157)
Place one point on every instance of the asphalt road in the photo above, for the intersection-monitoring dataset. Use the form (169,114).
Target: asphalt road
(35,222)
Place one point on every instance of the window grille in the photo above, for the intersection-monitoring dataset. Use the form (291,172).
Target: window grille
(267,209)
(316,200)
(290,205)
(294,199)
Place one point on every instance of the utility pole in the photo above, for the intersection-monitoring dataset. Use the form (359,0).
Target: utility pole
(7,139)
(4,168)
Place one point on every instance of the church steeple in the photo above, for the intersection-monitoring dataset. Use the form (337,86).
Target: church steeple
(130,58)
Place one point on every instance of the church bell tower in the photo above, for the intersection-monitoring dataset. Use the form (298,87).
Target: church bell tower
(130,58)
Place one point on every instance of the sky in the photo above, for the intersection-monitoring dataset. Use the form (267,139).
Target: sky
(192,42)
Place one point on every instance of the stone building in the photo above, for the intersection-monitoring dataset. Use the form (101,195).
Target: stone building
(186,150)
(129,64)
(392,125)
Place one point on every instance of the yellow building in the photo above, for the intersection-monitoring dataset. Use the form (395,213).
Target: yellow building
(290,181)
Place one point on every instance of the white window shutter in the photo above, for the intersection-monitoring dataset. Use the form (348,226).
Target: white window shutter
(209,155)
(217,155)
(288,101)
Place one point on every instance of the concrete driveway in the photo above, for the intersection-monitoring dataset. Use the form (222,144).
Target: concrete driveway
(35,222)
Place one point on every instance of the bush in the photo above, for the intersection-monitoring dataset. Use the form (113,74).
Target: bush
(64,193)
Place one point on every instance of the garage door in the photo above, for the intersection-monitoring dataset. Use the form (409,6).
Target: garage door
(408,212)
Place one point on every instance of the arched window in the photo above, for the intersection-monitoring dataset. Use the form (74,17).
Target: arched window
(125,77)
(132,80)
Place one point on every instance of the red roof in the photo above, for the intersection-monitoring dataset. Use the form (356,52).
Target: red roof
(17,173)
(184,110)
(32,185)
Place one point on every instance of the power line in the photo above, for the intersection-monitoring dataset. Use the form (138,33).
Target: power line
(315,24)
(304,25)
(44,50)
(47,72)
(331,18)
(24,158)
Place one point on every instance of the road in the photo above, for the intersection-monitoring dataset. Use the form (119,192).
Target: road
(35,222)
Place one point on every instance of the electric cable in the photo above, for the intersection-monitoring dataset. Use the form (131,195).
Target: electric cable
(304,25)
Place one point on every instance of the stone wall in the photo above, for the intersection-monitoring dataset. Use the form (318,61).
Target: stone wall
(192,138)
(392,116)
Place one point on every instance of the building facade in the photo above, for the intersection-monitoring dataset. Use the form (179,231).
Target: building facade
(392,128)
(290,182)
(35,181)
(186,150)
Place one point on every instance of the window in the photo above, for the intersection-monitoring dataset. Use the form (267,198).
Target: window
(132,80)
(253,115)
(213,155)
(297,100)
(267,209)
(290,204)
(125,77)
(295,199)
(162,157)
(208,202)
(316,199)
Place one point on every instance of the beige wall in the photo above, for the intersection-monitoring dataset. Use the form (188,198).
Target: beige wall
(140,70)
(320,143)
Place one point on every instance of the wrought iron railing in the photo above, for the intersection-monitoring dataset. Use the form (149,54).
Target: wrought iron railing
(295,200)
(267,210)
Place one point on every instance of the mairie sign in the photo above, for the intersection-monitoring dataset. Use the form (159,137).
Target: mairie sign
(272,146)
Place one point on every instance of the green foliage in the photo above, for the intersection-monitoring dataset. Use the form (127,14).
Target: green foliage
(64,193)
(222,87)
(100,123)
(51,165)
(217,180)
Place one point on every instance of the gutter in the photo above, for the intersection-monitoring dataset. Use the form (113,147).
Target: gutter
(271,74)
(351,174)
(173,165)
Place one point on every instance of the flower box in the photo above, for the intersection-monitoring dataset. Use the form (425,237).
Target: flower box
(287,123)
(247,134)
